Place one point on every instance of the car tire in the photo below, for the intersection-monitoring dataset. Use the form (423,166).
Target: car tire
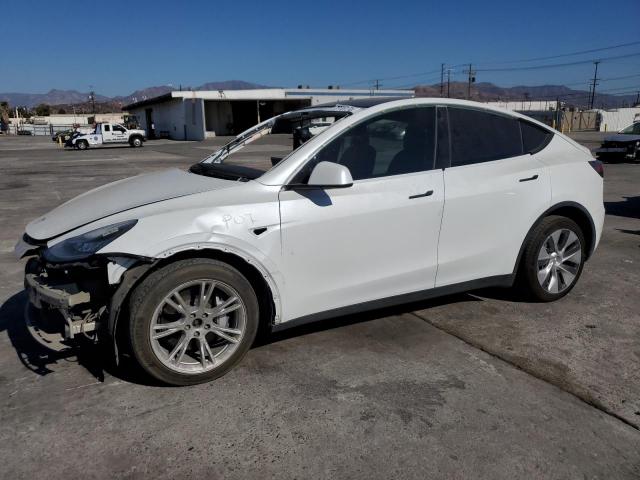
(167,358)
(136,142)
(553,259)
(82,145)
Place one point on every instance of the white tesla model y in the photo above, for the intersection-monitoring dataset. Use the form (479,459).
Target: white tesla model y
(381,202)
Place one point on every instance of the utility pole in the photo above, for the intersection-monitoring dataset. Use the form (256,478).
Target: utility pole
(638,98)
(593,86)
(442,80)
(448,83)
(471,79)
(377,87)
(92,98)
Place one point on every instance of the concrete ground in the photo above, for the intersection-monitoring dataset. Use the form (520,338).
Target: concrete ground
(478,385)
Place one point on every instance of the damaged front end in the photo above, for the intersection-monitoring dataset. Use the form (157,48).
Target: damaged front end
(71,297)
(65,300)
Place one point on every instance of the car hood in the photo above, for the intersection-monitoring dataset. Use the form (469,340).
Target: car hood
(622,137)
(119,196)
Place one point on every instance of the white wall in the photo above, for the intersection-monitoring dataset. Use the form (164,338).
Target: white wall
(533,105)
(614,120)
(170,116)
(217,116)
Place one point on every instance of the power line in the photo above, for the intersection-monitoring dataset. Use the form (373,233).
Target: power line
(389,78)
(511,69)
(619,78)
(582,52)
(555,65)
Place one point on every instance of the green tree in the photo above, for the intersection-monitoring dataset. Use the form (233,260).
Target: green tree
(24,112)
(5,111)
(43,110)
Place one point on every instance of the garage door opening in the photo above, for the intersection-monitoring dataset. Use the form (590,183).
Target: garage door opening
(231,117)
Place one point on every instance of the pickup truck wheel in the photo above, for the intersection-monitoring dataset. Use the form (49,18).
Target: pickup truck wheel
(82,145)
(192,321)
(136,142)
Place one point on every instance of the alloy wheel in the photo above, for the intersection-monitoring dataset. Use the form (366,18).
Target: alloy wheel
(559,260)
(197,326)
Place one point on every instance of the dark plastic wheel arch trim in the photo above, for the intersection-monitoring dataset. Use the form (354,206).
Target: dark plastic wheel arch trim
(548,212)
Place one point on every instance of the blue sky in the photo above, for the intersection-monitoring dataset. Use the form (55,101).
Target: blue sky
(122,46)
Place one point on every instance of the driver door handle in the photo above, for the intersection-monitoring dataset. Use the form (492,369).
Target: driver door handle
(420,195)
(528,179)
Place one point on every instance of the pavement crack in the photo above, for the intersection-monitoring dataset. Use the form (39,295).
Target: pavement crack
(498,356)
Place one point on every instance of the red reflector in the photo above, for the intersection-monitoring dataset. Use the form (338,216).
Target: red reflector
(598,167)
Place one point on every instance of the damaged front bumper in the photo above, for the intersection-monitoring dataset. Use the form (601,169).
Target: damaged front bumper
(67,301)
(56,314)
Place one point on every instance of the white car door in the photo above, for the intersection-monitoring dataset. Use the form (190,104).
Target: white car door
(119,133)
(375,239)
(107,133)
(494,194)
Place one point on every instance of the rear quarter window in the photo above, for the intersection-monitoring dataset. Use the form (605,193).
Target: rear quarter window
(478,136)
(534,138)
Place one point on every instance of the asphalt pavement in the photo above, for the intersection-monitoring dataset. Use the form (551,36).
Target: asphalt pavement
(478,385)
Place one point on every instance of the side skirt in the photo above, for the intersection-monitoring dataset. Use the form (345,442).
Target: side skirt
(495,281)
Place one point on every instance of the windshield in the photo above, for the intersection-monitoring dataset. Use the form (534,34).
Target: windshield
(263,146)
(632,129)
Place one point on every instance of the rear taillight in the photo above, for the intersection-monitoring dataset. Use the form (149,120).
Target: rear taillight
(598,167)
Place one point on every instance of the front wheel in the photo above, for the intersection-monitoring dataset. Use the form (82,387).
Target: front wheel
(553,259)
(136,142)
(192,321)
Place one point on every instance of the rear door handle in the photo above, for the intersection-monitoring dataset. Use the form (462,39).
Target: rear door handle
(420,195)
(528,179)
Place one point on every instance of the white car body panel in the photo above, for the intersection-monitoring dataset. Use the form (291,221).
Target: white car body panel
(332,248)
(338,251)
(119,196)
(573,181)
(489,200)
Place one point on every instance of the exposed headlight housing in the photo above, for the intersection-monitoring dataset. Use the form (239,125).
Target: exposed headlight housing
(83,246)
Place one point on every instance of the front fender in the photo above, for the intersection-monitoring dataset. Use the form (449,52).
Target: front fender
(237,247)
(222,243)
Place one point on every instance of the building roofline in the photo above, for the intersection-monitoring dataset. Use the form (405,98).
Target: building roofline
(266,94)
(149,101)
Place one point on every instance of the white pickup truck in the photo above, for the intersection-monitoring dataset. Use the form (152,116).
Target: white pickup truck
(107,134)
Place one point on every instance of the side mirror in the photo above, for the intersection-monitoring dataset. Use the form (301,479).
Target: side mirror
(327,175)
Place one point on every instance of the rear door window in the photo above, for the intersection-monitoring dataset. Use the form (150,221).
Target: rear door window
(478,136)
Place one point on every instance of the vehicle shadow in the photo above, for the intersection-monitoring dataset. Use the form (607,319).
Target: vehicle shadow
(629,207)
(323,325)
(630,232)
(97,149)
(617,161)
(99,359)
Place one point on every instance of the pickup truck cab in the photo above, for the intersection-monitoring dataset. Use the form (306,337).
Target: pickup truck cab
(106,134)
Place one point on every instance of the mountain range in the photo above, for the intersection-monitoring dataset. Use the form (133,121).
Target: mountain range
(67,99)
(73,97)
(485,91)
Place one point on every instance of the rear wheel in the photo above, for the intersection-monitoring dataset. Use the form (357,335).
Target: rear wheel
(553,259)
(82,145)
(192,321)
